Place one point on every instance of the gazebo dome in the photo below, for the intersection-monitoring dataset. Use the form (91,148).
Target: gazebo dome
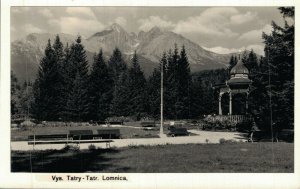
(239,68)
(239,76)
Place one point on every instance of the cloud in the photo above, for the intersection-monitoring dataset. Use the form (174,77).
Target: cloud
(46,13)
(74,25)
(255,35)
(243,18)
(29,28)
(81,12)
(148,23)
(212,21)
(257,48)
(223,50)
(216,21)
(121,20)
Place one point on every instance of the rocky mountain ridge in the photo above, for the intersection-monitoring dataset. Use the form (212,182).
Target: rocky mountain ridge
(27,52)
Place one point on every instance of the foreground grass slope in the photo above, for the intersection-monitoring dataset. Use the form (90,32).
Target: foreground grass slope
(193,158)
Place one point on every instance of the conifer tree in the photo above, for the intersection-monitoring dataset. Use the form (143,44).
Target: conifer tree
(14,94)
(279,51)
(171,83)
(252,64)
(79,87)
(153,90)
(100,89)
(137,86)
(197,100)
(118,70)
(61,84)
(45,87)
(120,102)
(116,64)
(183,82)
(232,62)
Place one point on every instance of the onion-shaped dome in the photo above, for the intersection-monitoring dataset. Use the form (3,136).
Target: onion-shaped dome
(239,68)
(239,76)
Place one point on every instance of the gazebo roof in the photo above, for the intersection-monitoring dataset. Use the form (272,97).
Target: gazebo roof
(238,80)
(239,68)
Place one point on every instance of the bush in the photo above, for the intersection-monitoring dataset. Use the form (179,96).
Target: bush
(92,147)
(120,119)
(224,141)
(132,146)
(244,126)
(70,148)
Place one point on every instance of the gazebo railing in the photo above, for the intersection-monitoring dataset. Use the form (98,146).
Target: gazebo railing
(231,118)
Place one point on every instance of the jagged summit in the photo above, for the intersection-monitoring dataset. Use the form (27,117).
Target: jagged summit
(155,29)
(116,27)
(149,46)
(110,29)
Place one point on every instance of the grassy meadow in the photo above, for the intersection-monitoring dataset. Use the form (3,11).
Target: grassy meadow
(184,158)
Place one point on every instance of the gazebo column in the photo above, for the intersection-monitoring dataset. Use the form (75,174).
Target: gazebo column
(230,103)
(247,106)
(220,104)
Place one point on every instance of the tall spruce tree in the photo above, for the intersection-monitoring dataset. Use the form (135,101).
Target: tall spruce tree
(196,98)
(153,90)
(252,64)
(183,84)
(61,84)
(14,94)
(171,83)
(137,89)
(120,103)
(232,62)
(78,102)
(100,89)
(116,64)
(46,90)
(119,71)
(279,50)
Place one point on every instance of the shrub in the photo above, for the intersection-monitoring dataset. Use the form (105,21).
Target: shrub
(207,141)
(71,148)
(120,119)
(224,141)
(92,147)
(132,146)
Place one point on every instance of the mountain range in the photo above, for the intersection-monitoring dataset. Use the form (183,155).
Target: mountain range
(26,53)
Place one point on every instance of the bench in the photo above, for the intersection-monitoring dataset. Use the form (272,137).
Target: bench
(108,133)
(69,142)
(178,132)
(75,136)
(48,137)
(81,134)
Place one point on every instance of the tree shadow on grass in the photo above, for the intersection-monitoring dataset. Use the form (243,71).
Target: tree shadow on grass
(64,161)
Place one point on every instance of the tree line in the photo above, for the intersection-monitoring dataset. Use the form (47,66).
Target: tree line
(67,89)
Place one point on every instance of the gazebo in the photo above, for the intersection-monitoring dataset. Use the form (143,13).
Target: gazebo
(238,83)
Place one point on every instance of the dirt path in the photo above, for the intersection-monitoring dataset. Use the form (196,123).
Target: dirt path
(201,137)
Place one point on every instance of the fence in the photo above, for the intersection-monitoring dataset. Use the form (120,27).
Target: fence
(231,118)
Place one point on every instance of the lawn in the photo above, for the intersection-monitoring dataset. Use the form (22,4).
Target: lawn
(185,158)
(126,132)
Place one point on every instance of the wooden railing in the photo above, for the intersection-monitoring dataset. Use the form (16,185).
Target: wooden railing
(231,118)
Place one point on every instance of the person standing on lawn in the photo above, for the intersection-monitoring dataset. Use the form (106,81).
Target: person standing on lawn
(253,128)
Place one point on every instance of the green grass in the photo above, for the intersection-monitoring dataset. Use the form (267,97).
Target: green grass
(126,132)
(188,158)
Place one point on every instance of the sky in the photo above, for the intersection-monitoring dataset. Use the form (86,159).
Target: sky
(219,29)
